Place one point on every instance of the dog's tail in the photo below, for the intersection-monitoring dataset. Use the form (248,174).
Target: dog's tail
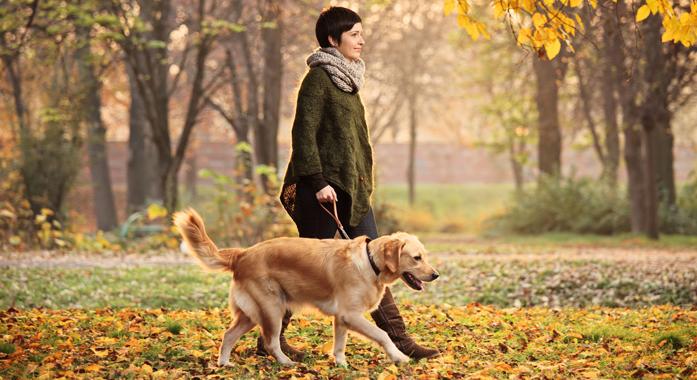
(199,245)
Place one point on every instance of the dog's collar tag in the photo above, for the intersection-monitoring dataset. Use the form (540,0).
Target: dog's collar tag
(370,258)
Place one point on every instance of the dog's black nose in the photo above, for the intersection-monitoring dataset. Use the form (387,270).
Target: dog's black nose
(434,276)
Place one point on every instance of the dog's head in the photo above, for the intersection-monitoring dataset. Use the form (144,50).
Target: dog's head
(404,256)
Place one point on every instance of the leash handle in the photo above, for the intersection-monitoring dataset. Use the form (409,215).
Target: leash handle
(335,216)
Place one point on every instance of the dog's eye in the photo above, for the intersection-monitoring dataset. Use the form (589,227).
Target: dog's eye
(417,258)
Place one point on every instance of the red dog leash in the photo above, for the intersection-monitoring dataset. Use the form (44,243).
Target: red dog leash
(335,216)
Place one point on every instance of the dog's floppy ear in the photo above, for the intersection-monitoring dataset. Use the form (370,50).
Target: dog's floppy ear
(391,254)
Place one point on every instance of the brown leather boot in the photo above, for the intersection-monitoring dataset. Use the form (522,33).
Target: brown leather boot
(294,354)
(387,317)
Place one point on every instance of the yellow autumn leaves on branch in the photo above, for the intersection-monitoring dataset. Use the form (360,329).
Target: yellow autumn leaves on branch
(473,27)
(543,25)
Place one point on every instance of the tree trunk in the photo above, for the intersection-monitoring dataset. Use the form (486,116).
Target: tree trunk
(164,161)
(411,167)
(190,177)
(152,164)
(627,83)
(549,144)
(267,135)
(665,170)
(244,165)
(627,93)
(15,79)
(586,99)
(649,135)
(193,110)
(653,107)
(171,186)
(516,167)
(151,69)
(243,160)
(104,206)
(608,84)
(658,75)
(662,142)
(612,141)
(142,164)
(635,178)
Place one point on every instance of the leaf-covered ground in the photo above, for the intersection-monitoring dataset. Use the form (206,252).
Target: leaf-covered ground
(476,342)
(495,313)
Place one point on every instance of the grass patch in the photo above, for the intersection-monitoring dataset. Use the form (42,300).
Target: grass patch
(599,333)
(445,207)
(675,339)
(117,333)
(173,327)
(467,243)
(7,348)
(154,353)
(177,287)
(510,282)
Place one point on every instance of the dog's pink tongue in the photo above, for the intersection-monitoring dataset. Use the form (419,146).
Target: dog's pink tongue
(416,281)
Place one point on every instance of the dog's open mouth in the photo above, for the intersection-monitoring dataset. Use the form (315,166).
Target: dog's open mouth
(412,281)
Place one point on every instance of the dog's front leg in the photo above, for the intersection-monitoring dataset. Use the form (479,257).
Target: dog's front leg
(340,332)
(359,324)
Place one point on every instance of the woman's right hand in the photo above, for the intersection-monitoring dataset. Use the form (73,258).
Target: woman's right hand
(327,194)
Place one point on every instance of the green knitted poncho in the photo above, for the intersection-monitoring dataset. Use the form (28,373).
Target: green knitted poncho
(330,136)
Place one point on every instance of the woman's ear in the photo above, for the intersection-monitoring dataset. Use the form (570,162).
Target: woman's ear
(391,253)
(332,41)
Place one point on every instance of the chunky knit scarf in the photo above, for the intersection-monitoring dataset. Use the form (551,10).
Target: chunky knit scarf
(346,74)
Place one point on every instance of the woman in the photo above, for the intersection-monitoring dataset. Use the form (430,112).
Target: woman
(332,158)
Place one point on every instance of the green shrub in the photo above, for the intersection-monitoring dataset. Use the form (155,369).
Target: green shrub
(453,225)
(242,213)
(385,218)
(38,168)
(568,205)
(417,220)
(681,218)
(20,227)
(17,228)
(51,155)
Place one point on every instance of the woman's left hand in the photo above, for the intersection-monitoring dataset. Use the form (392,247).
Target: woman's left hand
(327,194)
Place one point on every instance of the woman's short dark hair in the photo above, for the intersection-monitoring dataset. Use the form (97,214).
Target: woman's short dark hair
(334,21)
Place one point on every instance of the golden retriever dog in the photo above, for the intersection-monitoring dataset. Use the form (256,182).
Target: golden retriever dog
(341,278)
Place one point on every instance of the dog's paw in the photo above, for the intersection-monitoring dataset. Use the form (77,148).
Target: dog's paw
(340,362)
(224,363)
(400,359)
(287,363)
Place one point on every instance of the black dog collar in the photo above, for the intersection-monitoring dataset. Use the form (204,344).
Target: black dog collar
(370,258)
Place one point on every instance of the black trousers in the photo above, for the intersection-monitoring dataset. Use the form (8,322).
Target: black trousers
(313,222)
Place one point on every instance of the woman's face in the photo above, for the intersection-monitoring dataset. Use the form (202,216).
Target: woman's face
(351,42)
